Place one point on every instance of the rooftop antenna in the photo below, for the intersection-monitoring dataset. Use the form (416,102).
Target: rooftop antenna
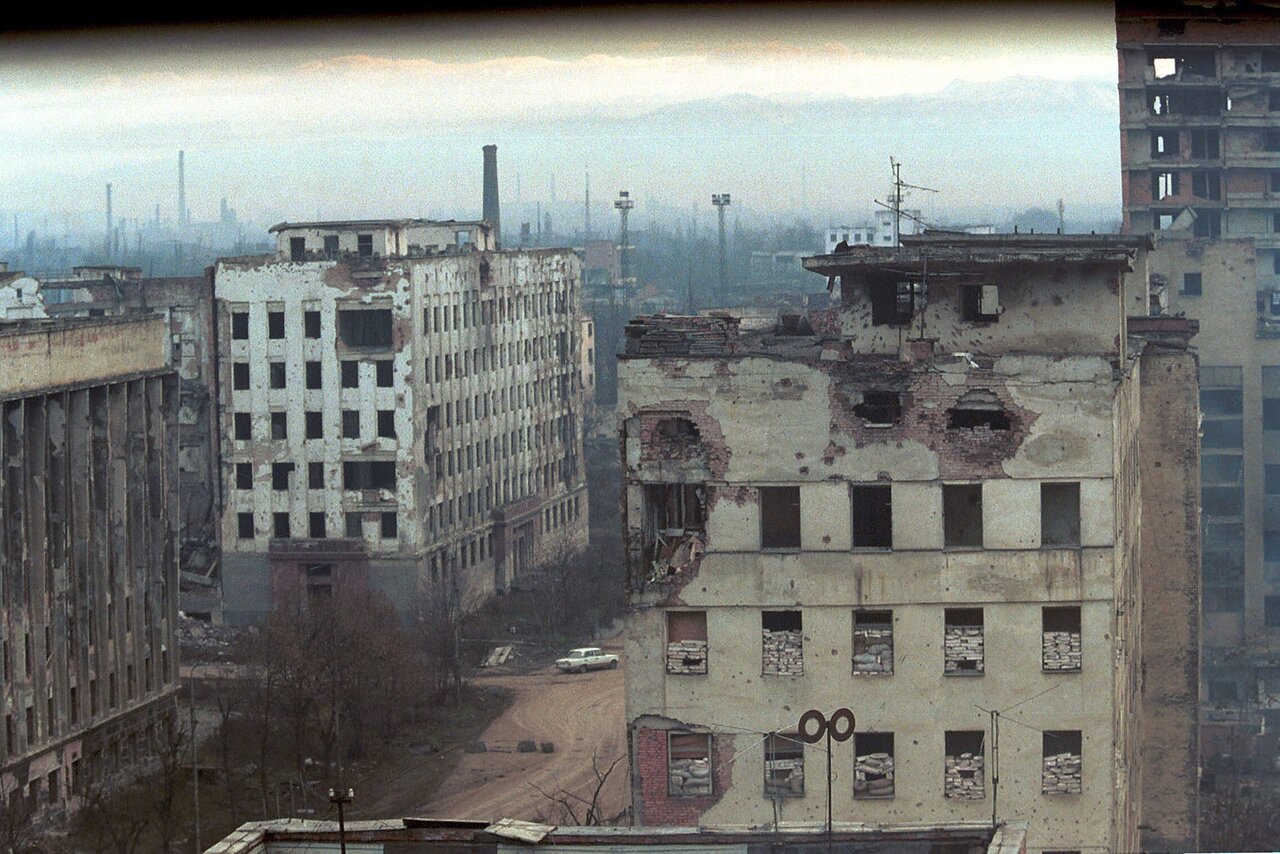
(721,201)
(895,201)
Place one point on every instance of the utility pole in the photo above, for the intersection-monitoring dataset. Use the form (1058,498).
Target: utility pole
(721,201)
(895,200)
(624,204)
(195,769)
(338,797)
(586,209)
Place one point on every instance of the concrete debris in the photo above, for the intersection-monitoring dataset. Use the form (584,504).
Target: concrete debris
(784,776)
(678,335)
(1061,651)
(873,775)
(687,657)
(782,652)
(963,777)
(962,649)
(690,776)
(1061,774)
(498,655)
(872,650)
(675,556)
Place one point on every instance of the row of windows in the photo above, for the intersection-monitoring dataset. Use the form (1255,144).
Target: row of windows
(691,764)
(560,514)
(963,642)
(317,525)
(872,522)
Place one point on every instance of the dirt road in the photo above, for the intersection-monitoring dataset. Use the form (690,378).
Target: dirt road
(578,713)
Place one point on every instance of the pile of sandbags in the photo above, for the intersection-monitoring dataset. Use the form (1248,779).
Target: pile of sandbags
(1061,651)
(873,776)
(690,776)
(689,656)
(962,649)
(783,652)
(1061,774)
(963,777)
(872,650)
(784,776)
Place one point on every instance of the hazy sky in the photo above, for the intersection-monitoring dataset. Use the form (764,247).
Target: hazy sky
(386,117)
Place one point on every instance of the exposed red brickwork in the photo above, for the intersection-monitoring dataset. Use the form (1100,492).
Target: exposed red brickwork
(710,446)
(654,806)
(825,321)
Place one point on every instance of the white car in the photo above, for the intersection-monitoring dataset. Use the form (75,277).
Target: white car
(586,658)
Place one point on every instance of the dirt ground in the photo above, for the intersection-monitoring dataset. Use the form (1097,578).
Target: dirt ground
(578,713)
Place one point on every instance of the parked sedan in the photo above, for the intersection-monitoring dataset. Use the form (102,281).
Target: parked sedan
(586,658)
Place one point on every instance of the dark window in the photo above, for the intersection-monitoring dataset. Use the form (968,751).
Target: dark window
(1206,185)
(1060,514)
(1191,285)
(364,245)
(1223,599)
(1270,61)
(1270,414)
(1208,223)
(962,515)
(1275,182)
(315,526)
(279,425)
(311,324)
(881,408)
(244,475)
(873,765)
(892,302)
(350,374)
(1164,143)
(1204,144)
(978,409)
(365,327)
(389,523)
(350,424)
(369,474)
(240,376)
(280,525)
(1271,611)
(242,425)
(1164,184)
(980,303)
(384,369)
(780,517)
(244,522)
(783,765)
(313,375)
(330,248)
(276,374)
(386,423)
(275,324)
(355,525)
(240,325)
(315,475)
(280,475)
(1272,140)
(297,249)
(1224,691)
(315,425)
(872,516)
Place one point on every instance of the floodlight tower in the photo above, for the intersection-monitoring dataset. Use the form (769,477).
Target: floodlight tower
(721,201)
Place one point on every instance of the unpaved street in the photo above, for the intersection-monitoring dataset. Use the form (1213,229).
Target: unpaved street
(578,713)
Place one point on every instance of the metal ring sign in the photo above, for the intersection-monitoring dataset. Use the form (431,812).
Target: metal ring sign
(814,725)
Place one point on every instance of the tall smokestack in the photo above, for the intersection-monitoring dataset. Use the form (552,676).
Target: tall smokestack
(182,188)
(491,212)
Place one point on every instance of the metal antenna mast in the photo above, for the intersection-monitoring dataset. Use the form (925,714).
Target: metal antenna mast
(721,201)
(895,201)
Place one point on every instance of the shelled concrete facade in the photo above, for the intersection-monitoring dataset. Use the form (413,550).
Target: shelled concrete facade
(408,423)
(934,516)
(88,545)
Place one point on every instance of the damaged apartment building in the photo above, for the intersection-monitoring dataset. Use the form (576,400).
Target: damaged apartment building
(88,545)
(1200,148)
(400,410)
(970,486)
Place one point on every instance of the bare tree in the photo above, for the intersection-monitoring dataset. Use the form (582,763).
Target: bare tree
(583,809)
(169,744)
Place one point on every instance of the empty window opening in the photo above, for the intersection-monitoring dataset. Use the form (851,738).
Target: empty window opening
(280,476)
(1061,650)
(315,475)
(780,517)
(350,424)
(1206,185)
(782,643)
(872,516)
(280,525)
(354,523)
(365,327)
(689,763)
(1164,143)
(1062,762)
(892,302)
(297,249)
(240,376)
(1204,144)
(873,643)
(1208,223)
(331,246)
(242,423)
(244,526)
(687,642)
(244,475)
(677,429)
(386,423)
(1192,285)
(350,374)
(279,425)
(1164,66)
(364,245)
(963,775)
(389,525)
(1060,514)
(275,324)
(311,324)
(783,766)
(879,408)
(873,765)
(962,515)
(314,425)
(313,375)
(239,325)
(384,370)
(276,374)
(1271,611)
(369,474)
(1164,184)
(316,526)
(962,642)
(673,512)
(978,409)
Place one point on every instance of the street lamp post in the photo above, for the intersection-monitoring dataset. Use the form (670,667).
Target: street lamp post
(341,798)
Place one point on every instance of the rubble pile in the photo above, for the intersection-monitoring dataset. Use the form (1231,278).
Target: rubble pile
(1061,774)
(784,776)
(872,650)
(963,777)
(873,776)
(1061,651)
(687,657)
(783,652)
(690,777)
(962,649)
